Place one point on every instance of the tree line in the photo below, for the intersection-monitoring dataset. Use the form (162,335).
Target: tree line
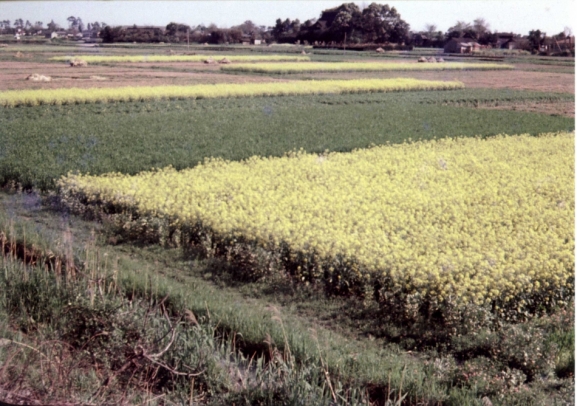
(75,24)
(347,24)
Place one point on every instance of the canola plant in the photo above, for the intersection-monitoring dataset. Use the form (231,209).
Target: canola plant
(13,98)
(464,220)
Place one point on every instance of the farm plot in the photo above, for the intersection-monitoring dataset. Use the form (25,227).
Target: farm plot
(40,144)
(143,93)
(433,221)
(283,68)
(180,58)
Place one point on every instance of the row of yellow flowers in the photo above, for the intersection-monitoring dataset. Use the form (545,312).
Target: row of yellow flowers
(359,67)
(13,98)
(463,220)
(180,58)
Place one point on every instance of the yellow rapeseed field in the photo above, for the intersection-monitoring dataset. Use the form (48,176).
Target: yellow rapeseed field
(12,98)
(359,67)
(466,220)
(180,58)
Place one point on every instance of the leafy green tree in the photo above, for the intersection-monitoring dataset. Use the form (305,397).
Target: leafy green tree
(381,23)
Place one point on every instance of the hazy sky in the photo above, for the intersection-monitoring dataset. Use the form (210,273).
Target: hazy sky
(519,16)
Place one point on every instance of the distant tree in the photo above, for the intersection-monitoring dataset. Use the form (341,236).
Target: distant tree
(27,25)
(381,23)
(171,28)
(89,27)
(19,23)
(109,34)
(430,30)
(234,35)
(72,22)
(79,24)
(38,25)
(536,39)
(461,29)
(247,28)
(568,32)
(52,26)
(217,36)
(480,26)
(489,38)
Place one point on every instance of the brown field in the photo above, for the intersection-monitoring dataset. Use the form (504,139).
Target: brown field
(13,75)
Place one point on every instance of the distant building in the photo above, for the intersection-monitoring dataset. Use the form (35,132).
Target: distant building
(420,40)
(461,46)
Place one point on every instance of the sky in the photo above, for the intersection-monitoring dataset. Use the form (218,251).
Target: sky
(519,16)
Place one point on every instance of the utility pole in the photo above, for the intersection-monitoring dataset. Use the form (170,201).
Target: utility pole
(187,39)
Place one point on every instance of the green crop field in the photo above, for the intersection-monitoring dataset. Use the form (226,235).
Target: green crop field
(40,144)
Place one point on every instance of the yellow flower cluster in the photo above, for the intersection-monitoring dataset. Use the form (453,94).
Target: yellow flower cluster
(14,98)
(180,58)
(359,67)
(467,220)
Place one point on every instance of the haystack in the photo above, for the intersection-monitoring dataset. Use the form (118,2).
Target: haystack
(224,60)
(440,60)
(209,61)
(19,54)
(431,59)
(78,62)
(303,52)
(422,59)
(98,78)
(35,77)
(380,50)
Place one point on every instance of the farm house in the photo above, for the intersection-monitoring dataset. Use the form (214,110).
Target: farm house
(461,46)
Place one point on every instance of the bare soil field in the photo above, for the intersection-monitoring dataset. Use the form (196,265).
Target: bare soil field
(13,76)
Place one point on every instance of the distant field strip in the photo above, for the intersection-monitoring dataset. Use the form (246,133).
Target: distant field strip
(359,67)
(224,90)
(180,58)
(462,220)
